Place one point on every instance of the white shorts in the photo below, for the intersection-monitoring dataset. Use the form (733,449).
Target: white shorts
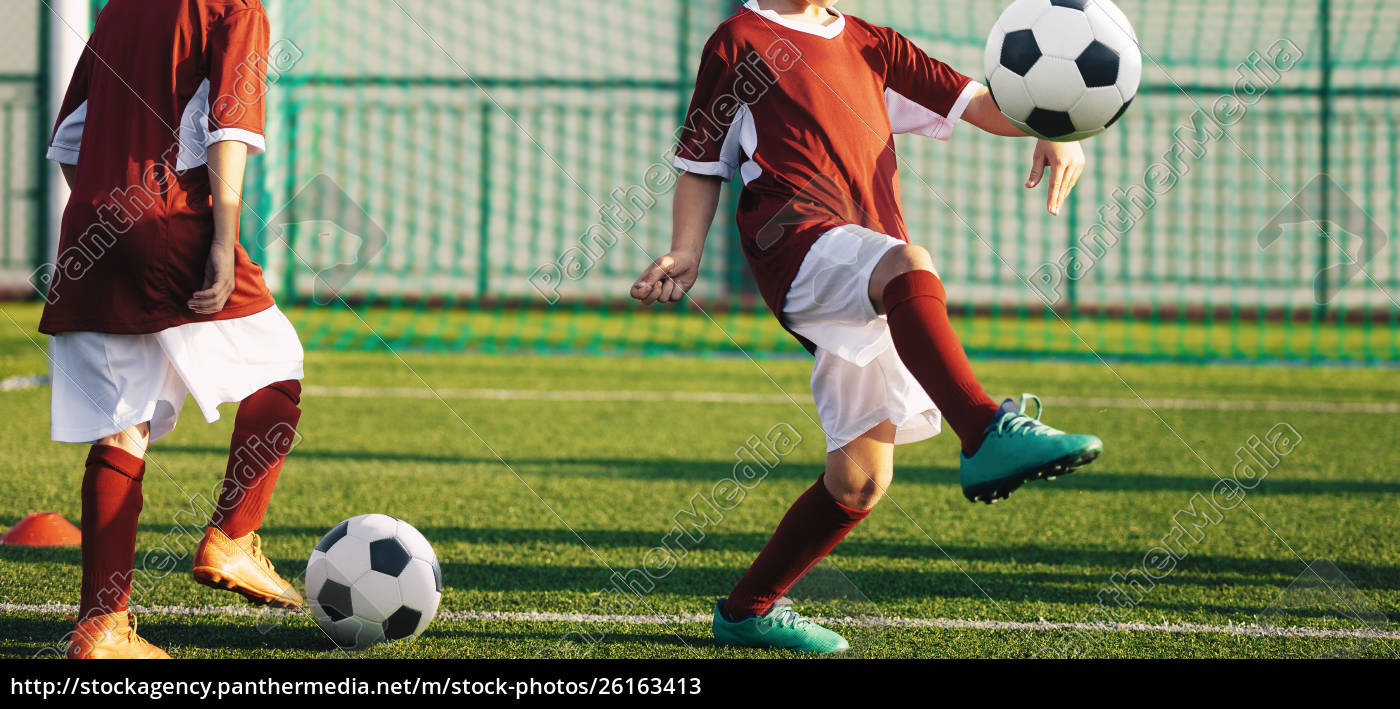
(858,380)
(104,384)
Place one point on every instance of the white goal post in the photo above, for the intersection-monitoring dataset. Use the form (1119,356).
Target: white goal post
(69,23)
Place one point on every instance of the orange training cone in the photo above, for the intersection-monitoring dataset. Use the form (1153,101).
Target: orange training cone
(42,529)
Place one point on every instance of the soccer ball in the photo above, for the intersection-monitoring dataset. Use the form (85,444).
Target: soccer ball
(1063,70)
(373,578)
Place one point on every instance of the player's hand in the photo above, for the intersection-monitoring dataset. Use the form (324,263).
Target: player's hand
(218,282)
(668,279)
(1065,161)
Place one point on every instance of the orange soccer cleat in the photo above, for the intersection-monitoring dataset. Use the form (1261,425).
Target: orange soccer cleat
(111,636)
(238,565)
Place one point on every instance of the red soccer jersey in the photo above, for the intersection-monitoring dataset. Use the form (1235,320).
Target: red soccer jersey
(807,115)
(159,82)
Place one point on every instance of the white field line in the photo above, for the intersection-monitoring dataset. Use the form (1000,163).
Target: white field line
(711,397)
(22,383)
(715,397)
(862,622)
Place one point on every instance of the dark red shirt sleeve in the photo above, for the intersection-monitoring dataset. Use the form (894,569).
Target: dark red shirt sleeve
(238,78)
(708,146)
(924,95)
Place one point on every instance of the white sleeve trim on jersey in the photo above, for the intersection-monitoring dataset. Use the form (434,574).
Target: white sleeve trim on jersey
(739,140)
(257,144)
(68,139)
(908,116)
(719,169)
(195,136)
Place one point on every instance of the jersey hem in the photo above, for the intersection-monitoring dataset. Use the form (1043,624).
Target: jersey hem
(149,326)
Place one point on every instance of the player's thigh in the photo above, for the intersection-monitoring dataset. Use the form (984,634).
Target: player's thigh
(827,290)
(858,473)
(107,388)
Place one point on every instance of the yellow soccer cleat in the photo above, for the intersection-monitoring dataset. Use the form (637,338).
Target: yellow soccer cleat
(238,565)
(111,636)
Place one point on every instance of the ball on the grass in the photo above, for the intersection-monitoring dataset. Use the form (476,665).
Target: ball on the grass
(373,578)
(1063,70)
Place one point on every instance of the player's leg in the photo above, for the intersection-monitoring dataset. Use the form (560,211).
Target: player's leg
(858,474)
(111,503)
(230,555)
(906,288)
(1002,447)
(856,477)
(105,394)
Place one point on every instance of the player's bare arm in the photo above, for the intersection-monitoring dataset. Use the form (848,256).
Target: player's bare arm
(227,162)
(1065,161)
(670,277)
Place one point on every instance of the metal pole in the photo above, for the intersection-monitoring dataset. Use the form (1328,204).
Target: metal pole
(67,24)
(1324,216)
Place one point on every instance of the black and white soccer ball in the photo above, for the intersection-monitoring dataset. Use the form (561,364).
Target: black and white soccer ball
(373,578)
(1063,70)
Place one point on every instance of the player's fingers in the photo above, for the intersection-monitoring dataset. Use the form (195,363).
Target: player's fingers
(1072,180)
(647,283)
(657,272)
(1057,192)
(1037,171)
(679,294)
(653,292)
(671,293)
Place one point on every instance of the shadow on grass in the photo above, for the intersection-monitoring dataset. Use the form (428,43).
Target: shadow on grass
(1093,479)
(28,635)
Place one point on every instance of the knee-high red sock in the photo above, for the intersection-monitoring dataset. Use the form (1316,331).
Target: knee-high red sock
(812,527)
(917,307)
(263,434)
(111,506)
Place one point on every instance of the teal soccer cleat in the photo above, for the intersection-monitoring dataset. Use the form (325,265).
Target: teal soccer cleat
(781,628)
(1020,448)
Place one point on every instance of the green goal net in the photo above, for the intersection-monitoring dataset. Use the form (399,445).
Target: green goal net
(474,175)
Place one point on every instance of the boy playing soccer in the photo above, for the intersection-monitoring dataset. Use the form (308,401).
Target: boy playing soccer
(803,102)
(152,298)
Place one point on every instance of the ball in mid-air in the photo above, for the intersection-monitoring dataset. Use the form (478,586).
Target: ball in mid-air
(1063,69)
(373,578)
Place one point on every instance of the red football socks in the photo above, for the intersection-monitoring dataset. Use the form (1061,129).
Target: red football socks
(111,495)
(917,307)
(813,526)
(263,434)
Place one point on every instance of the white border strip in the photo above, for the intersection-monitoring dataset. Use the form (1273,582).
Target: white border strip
(1257,631)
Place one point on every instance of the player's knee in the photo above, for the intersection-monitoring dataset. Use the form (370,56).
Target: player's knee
(861,489)
(907,258)
(134,440)
(902,259)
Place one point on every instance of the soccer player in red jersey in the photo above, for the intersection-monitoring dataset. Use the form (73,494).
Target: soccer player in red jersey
(803,102)
(152,298)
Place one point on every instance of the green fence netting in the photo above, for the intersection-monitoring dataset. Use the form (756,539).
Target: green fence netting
(21,139)
(426,158)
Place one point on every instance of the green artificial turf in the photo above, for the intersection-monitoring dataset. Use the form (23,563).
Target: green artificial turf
(534,505)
